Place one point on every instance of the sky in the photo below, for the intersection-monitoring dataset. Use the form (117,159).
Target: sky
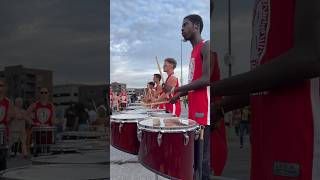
(140,30)
(67,37)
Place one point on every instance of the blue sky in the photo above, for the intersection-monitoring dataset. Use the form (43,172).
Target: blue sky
(141,30)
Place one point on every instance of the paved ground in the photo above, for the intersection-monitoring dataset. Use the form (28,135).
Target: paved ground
(125,166)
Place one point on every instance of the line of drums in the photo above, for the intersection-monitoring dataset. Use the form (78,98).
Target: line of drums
(87,160)
(164,143)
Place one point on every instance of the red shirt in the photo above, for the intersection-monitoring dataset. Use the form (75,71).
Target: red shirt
(286,120)
(218,138)
(123,97)
(4,111)
(198,100)
(173,108)
(111,98)
(43,114)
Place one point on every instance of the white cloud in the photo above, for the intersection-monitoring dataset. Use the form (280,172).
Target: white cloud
(141,30)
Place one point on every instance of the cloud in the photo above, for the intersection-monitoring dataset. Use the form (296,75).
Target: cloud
(67,38)
(141,30)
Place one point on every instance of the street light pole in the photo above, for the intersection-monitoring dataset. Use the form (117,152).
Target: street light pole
(229,37)
(181,60)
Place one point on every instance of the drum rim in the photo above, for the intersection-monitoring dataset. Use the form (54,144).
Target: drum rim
(168,129)
(128,119)
(164,113)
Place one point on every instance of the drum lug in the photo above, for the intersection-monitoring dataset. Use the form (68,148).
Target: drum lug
(159,139)
(197,133)
(120,126)
(186,138)
(139,135)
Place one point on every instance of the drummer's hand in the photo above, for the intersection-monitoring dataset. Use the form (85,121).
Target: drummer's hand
(174,99)
(166,88)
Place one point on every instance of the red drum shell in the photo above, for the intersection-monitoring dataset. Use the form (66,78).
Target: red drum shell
(127,140)
(43,136)
(172,159)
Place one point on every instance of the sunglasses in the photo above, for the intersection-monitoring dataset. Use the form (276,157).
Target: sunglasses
(43,92)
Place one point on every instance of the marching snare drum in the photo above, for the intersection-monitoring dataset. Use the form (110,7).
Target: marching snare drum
(167,146)
(43,137)
(124,132)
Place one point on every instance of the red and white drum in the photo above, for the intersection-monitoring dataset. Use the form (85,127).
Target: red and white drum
(43,135)
(124,132)
(167,146)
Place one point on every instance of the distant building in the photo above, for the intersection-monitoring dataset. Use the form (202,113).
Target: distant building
(116,87)
(79,93)
(94,93)
(137,91)
(26,82)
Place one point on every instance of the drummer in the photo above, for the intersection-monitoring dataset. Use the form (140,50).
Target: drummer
(171,82)
(6,115)
(111,98)
(43,110)
(198,88)
(149,92)
(123,99)
(158,90)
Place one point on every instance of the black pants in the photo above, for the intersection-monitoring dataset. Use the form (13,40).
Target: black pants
(3,159)
(206,155)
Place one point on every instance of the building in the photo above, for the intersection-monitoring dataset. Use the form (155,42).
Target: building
(137,91)
(26,82)
(96,94)
(116,87)
(66,94)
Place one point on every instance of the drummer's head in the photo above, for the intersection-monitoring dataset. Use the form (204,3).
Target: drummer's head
(169,65)
(44,94)
(192,26)
(18,102)
(156,78)
(150,84)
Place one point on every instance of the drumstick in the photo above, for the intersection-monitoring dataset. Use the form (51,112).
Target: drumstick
(160,70)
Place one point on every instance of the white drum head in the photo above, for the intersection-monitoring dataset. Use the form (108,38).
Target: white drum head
(161,114)
(137,111)
(167,125)
(127,117)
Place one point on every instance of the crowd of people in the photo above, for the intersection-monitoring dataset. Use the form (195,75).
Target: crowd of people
(17,121)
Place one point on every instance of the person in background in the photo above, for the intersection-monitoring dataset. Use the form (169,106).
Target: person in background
(18,129)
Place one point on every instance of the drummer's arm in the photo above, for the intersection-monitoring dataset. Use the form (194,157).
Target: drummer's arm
(29,113)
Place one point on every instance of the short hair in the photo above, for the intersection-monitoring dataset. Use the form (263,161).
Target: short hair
(157,76)
(171,61)
(195,19)
(151,83)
